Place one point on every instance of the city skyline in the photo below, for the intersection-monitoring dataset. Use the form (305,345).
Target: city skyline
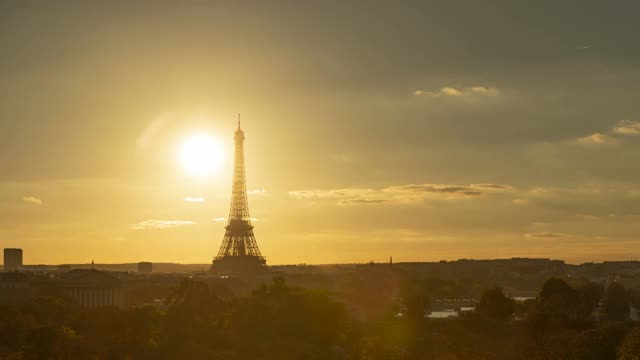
(428,132)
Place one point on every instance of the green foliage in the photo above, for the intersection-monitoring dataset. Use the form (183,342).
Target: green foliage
(371,292)
(559,300)
(278,321)
(630,347)
(616,305)
(416,307)
(565,305)
(495,305)
(560,314)
(599,344)
(56,342)
(196,323)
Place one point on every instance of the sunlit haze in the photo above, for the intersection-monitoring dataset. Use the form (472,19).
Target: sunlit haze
(426,132)
(201,155)
(320,179)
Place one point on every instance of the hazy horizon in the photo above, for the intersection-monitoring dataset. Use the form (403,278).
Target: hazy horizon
(425,131)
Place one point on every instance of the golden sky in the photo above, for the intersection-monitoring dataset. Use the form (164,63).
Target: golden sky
(422,131)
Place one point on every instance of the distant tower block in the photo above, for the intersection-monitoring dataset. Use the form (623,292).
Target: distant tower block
(12,259)
(239,251)
(145,267)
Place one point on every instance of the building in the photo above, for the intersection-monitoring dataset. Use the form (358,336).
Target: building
(145,267)
(93,288)
(15,287)
(239,252)
(12,259)
(64,267)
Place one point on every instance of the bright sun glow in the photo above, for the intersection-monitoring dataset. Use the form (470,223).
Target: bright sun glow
(201,155)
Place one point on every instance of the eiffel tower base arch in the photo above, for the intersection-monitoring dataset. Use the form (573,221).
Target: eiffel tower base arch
(238,264)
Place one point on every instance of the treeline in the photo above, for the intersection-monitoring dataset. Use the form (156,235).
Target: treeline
(278,321)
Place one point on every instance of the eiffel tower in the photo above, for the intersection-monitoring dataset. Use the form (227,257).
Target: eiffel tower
(239,251)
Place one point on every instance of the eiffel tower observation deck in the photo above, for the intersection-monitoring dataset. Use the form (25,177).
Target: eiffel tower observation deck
(239,252)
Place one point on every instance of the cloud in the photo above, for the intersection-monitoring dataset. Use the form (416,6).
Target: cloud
(545,235)
(32,200)
(399,194)
(218,219)
(483,90)
(160,224)
(492,186)
(459,92)
(450,91)
(437,189)
(588,217)
(257,192)
(350,202)
(597,139)
(623,128)
(194,199)
(520,201)
(627,127)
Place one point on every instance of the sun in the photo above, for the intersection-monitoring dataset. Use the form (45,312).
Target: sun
(201,155)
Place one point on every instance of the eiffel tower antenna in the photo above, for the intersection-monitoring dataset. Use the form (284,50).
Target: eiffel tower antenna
(239,252)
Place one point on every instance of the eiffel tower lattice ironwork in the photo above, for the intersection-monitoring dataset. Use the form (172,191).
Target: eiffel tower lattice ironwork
(239,251)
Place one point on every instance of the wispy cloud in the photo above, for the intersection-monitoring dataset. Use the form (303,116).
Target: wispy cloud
(449,91)
(627,127)
(588,217)
(160,224)
(257,192)
(399,194)
(459,92)
(32,200)
(598,139)
(492,186)
(350,202)
(520,201)
(449,190)
(545,235)
(218,219)
(194,199)
(612,136)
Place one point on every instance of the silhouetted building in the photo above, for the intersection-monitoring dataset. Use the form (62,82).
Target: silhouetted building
(93,288)
(239,251)
(145,267)
(64,267)
(12,259)
(15,287)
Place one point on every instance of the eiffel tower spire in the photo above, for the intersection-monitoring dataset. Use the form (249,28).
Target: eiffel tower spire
(239,251)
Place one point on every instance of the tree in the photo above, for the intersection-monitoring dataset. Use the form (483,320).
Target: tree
(56,342)
(495,305)
(600,343)
(560,303)
(590,295)
(283,322)
(630,347)
(616,305)
(196,323)
(120,333)
(417,306)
